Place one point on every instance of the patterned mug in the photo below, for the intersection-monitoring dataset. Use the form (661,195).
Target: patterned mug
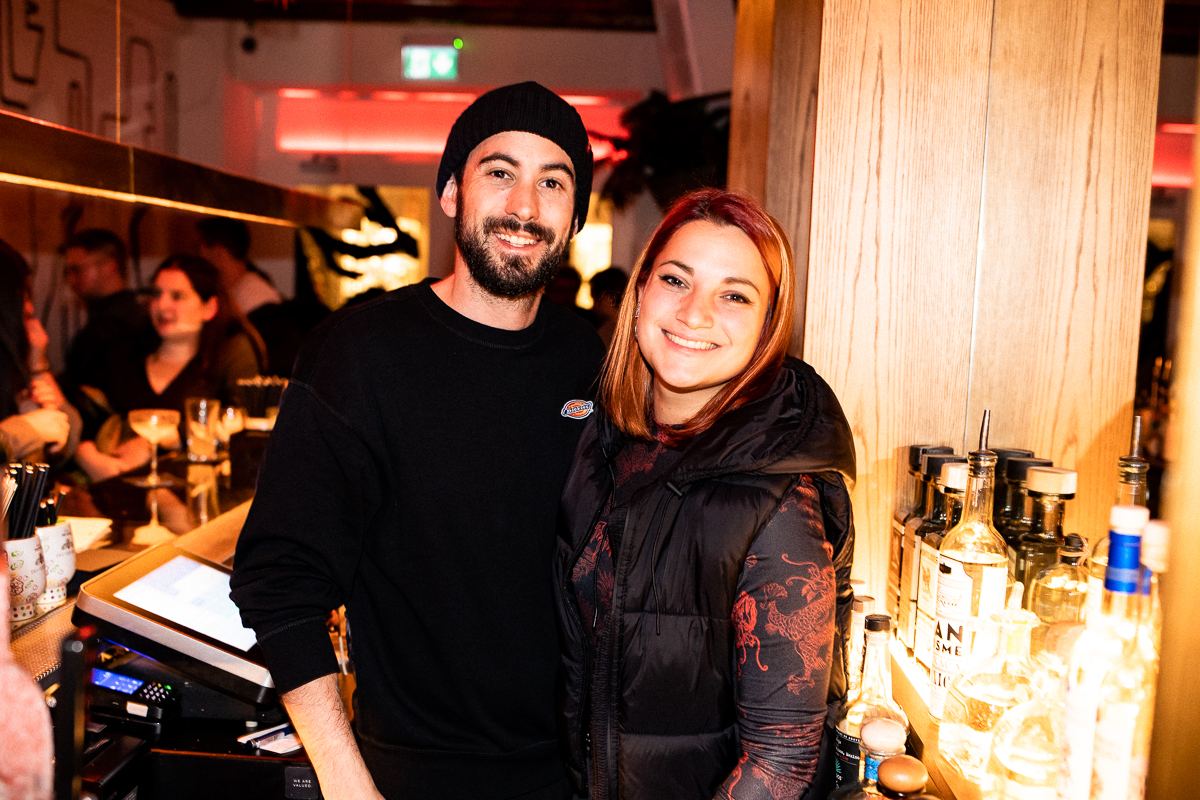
(58,549)
(26,577)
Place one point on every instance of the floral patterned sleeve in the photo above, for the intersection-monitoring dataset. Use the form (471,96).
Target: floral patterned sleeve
(784,618)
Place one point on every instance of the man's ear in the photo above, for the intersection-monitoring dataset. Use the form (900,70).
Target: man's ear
(449,198)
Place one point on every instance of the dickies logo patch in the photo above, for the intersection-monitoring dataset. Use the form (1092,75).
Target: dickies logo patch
(577,409)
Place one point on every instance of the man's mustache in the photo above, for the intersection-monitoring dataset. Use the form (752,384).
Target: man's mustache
(508,225)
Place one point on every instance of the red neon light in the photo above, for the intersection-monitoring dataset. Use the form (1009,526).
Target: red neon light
(391,97)
(585,100)
(299,94)
(445,97)
(1186,128)
(1172,160)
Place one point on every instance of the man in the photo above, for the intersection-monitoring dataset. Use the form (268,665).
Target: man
(226,244)
(414,475)
(94,266)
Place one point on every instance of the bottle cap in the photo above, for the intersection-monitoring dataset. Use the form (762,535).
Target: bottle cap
(931,463)
(1051,480)
(863,604)
(954,476)
(1003,454)
(884,735)
(915,451)
(1017,467)
(902,774)
(1074,547)
(1128,518)
(1156,538)
(877,622)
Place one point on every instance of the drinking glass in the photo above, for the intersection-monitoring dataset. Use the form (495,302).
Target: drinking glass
(154,425)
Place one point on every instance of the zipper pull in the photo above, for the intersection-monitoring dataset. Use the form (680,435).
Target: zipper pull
(595,616)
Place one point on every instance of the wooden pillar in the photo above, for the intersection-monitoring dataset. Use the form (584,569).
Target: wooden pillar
(979,199)
(773,120)
(1177,712)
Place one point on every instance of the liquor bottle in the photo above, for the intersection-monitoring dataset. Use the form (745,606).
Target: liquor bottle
(1125,715)
(862,606)
(1156,539)
(881,739)
(933,520)
(1024,752)
(1001,502)
(1132,490)
(972,575)
(954,486)
(981,694)
(1021,515)
(904,511)
(1058,593)
(1107,637)
(872,701)
(1049,488)
(900,778)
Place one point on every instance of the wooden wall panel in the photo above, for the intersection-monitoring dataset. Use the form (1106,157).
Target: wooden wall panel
(1074,88)
(793,135)
(750,103)
(896,196)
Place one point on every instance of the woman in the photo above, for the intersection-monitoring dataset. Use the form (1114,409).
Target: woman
(203,346)
(706,530)
(36,421)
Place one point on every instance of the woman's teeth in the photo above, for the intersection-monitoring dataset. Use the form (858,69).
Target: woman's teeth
(689,343)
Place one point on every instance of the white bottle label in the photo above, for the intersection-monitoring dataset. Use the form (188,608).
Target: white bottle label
(1095,590)
(1114,773)
(1078,739)
(951,645)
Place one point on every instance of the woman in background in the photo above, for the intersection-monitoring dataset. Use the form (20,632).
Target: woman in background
(705,543)
(204,345)
(36,421)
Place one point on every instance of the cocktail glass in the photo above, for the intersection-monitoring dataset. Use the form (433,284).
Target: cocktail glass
(154,425)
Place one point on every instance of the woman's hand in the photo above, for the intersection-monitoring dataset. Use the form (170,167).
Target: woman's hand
(53,426)
(100,466)
(44,391)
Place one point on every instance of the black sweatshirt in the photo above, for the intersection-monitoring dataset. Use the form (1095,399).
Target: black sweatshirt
(414,475)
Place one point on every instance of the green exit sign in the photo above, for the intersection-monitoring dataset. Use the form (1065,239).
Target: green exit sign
(422,63)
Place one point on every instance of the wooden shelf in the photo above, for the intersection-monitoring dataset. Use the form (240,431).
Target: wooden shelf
(910,688)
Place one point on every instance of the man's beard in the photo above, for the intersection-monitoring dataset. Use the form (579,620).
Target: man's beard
(507,275)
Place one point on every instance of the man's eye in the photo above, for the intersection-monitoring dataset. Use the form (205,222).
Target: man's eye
(551,183)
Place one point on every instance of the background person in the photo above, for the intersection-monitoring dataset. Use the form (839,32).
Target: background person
(95,266)
(36,421)
(607,288)
(712,488)
(203,346)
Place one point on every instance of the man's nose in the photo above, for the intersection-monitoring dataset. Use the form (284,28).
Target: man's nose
(522,201)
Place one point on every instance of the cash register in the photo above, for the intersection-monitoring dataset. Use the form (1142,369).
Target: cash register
(179,703)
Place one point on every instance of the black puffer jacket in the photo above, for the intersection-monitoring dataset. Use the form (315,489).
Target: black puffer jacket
(667,685)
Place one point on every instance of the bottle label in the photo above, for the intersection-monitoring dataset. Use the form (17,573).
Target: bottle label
(895,558)
(1116,773)
(871,772)
(845,765)
(1095,588)
(923,641)
(909,570)
(927,582)
(1124,552)
(950,645)
(1078,739)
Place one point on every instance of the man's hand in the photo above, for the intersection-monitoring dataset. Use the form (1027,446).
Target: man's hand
(44,391)
(320,720)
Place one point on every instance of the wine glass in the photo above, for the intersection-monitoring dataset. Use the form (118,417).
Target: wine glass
(154,425)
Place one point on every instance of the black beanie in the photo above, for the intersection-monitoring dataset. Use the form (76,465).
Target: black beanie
(528,107)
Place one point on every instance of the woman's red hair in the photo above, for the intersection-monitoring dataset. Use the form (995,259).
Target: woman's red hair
(625,388)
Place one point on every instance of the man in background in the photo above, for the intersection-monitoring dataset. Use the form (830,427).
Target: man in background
(226,244)
(95,267)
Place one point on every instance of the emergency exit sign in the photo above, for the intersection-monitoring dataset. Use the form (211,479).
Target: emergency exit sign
(423,63)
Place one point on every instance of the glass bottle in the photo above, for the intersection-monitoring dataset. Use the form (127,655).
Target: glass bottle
(1020,518)
(900,778)
(981,694)
(915,530)
(1023,757)
(904,511)
(1156,539)
(1001,501)
(1132,490)
(1125,714)
(954,485)
(1049,488)
(873,701)
(862,606)
(1058,593)
(1105,639)
(972,575)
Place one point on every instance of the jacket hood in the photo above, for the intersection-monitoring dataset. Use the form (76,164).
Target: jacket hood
(797,426)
